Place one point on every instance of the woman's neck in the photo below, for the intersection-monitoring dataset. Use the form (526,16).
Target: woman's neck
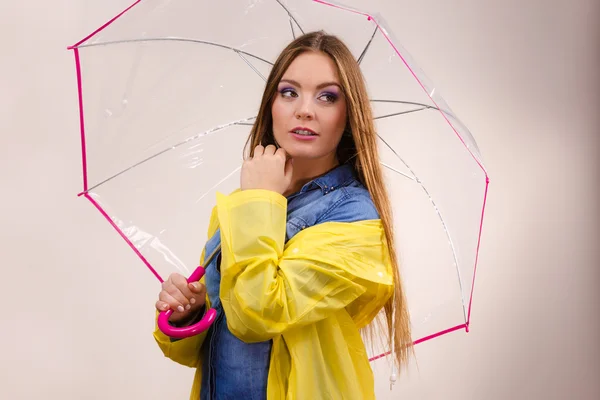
(306,169)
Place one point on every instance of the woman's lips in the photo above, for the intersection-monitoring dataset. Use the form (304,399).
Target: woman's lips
(303,137)
(305,129)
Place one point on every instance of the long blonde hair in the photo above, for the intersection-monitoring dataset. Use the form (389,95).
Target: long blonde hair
(358,147)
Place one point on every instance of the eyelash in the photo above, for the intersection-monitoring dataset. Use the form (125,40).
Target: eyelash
(331,97)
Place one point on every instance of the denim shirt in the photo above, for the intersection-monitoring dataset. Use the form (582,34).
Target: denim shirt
(231,368)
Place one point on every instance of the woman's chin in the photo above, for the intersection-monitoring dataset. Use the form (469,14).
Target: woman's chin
(311,160)
(301,155)
(303,152)
(293,151)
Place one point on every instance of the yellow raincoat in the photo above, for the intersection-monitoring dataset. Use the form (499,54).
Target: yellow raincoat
(310,296)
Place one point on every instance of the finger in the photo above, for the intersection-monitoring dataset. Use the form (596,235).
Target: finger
(173,303)
(197,288)
(259,151)
(176,294)
(199,291)
(181,283)
(162,306)
(281,153)
(270,150)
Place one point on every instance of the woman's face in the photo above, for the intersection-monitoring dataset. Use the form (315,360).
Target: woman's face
(309,110)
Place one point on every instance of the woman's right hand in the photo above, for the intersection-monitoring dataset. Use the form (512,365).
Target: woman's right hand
(185,299)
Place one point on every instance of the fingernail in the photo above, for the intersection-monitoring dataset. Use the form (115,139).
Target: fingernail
(193,301)
(188,307)
(180,309)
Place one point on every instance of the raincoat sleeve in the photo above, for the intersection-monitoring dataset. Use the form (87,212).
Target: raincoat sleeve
(268,287)
(183,351)
(186,351)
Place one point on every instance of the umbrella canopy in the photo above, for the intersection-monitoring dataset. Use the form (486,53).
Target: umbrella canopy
(169,90)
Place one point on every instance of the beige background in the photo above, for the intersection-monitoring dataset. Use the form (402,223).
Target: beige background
(523,76)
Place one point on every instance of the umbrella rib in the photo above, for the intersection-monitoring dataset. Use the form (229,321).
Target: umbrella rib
(175,39)
(206,133)
(401,113)
(247,123)
(439,214)
(397,171)
(218,183)
(250,65)
(292,27)
(423,107)
(290,15)
(368,45)
(414,104)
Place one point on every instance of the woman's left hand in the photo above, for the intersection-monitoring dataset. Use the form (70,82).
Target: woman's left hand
(268,169)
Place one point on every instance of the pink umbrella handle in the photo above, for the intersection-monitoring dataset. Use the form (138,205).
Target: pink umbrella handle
(187,331)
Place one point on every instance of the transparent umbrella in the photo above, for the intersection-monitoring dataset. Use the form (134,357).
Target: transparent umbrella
(168,91)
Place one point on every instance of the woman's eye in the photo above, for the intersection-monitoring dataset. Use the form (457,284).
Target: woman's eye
(328,97)
(288,93)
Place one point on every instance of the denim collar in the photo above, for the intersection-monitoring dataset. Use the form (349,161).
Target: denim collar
(333,179)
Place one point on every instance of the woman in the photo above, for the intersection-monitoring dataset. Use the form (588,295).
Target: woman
(305,261)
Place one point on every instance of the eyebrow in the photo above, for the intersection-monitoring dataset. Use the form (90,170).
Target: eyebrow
(319,86)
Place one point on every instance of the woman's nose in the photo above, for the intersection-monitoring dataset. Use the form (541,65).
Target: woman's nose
(305,110)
